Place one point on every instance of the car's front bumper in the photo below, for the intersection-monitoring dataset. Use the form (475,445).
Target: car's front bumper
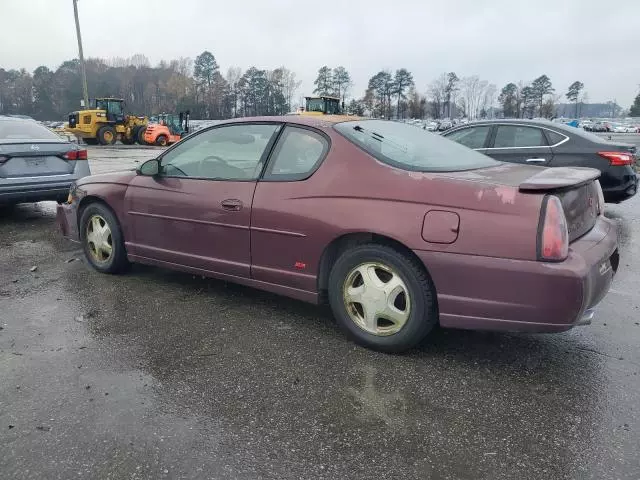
(516,295)
(67,220)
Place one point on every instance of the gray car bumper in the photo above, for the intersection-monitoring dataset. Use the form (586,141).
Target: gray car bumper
(34,192)
(45,187)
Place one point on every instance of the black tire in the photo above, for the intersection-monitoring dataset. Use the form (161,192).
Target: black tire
(91,141)
(107,135)
(423,314)
(117,261)
(139,134)
(162,141)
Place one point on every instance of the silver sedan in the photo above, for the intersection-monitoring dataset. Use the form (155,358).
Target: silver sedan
(35,163)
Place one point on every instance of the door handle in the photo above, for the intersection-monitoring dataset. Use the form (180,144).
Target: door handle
(231,204)
(536,160)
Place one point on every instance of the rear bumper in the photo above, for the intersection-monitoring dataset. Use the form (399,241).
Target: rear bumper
(67,220)
(625,187)
(34,192)
(527,296)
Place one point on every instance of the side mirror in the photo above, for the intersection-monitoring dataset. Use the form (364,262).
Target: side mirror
(150,168)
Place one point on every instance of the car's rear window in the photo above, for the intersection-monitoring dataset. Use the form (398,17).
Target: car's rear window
(411,148)
(20,131)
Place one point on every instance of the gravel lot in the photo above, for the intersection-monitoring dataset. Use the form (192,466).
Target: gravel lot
(157,374)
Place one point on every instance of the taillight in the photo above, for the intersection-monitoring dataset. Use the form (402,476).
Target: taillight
(618,158)
(600,198)
(553,240)
(76,155)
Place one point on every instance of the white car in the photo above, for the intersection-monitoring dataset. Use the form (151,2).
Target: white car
(622,129)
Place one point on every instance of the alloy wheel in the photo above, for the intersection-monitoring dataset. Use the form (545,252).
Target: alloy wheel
(99,239)
(376,298)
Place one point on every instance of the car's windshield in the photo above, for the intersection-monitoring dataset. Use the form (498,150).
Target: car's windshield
(21,131)
(410,148)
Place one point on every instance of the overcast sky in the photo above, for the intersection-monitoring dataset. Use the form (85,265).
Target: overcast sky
(592,41)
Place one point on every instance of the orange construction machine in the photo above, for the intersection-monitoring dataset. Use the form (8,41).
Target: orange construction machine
(169,129)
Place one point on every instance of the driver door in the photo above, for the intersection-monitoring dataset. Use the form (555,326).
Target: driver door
(196,212)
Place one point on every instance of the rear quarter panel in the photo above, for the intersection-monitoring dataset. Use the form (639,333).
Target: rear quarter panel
(352,192)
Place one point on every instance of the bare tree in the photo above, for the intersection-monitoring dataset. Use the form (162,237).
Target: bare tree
(438,94)
(234,74)
(291,86)
(488,100)
(471,95)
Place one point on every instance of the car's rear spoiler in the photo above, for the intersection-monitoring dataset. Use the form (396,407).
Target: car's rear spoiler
(559,178)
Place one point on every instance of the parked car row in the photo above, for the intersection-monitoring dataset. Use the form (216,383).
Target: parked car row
(613,127)
(440,125)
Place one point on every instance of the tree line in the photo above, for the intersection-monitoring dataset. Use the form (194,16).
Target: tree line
(209,93)
(182,84)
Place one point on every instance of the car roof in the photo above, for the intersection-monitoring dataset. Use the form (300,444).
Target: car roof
(318,121)
(516,121)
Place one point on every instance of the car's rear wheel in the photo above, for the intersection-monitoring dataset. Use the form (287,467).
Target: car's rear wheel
(107,135)
(162,141)
(381,298)
(102,239)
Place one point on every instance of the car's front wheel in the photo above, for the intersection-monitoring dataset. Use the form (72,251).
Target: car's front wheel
(102,239)
(381,298)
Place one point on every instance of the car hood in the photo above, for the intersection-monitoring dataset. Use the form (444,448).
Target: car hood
(122,178)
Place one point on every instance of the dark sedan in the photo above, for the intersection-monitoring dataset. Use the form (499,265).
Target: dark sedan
(35,163)
(551,144)
(399,229)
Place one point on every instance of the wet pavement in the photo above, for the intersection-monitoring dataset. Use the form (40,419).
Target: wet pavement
(156,374)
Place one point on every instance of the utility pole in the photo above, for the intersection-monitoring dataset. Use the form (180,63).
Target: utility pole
(83,70)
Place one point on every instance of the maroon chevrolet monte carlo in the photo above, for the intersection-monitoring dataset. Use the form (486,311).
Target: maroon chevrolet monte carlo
(396,228)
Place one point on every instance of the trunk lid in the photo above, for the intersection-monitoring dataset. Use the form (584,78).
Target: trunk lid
(559,178)
(35,159)
(576,187)
(577,190)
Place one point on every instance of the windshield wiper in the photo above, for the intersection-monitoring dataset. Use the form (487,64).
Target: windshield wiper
(374,135)
(378,137)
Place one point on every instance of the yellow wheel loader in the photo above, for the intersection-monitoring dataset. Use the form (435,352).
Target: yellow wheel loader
(106,122)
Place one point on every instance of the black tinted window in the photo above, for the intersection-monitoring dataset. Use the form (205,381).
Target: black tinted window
(554,137)
(25,131)
(472,137)
(297,154)
(510,136)
(410,148)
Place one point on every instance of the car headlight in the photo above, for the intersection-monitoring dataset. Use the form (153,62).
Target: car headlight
(75,193)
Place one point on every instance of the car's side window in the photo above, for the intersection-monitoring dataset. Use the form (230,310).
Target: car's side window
(472,137)
(554,138)
(513,136)
(297,154)
(230,152)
